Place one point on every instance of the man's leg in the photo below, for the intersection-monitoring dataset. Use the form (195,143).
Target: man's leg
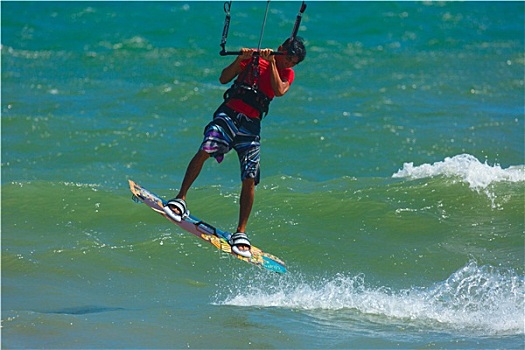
(192,172)
(239,241)
(246,203)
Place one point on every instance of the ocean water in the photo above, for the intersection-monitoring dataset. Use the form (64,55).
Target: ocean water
(393,178)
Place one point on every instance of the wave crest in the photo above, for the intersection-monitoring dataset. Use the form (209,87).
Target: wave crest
(466,167)
(475,298)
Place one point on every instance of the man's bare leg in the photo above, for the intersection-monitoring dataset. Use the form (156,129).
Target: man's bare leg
(246,204)
(192,172)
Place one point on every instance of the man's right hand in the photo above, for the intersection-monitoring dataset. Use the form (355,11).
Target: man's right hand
(246,53)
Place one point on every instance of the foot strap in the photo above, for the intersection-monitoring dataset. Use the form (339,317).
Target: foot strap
(238,240)
(180,206)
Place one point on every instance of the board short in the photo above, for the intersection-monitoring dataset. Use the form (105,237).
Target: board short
(232,130)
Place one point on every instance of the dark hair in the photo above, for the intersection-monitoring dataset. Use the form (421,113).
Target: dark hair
(295,47)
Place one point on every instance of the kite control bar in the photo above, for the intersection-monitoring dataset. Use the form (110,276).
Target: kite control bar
(227,7)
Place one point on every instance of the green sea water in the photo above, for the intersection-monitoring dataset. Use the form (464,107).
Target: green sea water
(392,177)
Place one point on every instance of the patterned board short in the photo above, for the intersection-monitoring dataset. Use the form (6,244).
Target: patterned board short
(230,129)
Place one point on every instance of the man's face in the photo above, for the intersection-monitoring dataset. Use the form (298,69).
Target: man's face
(290,61)
(286,61)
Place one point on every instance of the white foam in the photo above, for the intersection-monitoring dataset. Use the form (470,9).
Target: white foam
(465,167)
(483,299)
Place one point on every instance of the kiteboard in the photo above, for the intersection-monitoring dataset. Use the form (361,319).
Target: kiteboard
(207,232)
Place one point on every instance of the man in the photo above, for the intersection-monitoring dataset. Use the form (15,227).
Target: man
(237,123)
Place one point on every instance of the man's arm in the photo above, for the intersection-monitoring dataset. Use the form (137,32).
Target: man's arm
(234,68)
(279,86)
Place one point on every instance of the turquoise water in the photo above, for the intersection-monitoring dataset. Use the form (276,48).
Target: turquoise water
(392,184)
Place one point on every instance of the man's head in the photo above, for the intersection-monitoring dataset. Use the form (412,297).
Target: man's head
(294,48)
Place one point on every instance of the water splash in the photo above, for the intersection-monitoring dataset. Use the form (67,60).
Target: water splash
(465,167)
(480,177)
(479,299)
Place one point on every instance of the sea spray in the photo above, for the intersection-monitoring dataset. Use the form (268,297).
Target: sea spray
(466,168)
(474,299)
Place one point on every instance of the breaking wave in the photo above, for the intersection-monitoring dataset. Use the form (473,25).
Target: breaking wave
(467,168)
(475,299)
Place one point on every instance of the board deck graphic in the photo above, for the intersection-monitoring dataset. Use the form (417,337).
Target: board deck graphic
(207,232)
